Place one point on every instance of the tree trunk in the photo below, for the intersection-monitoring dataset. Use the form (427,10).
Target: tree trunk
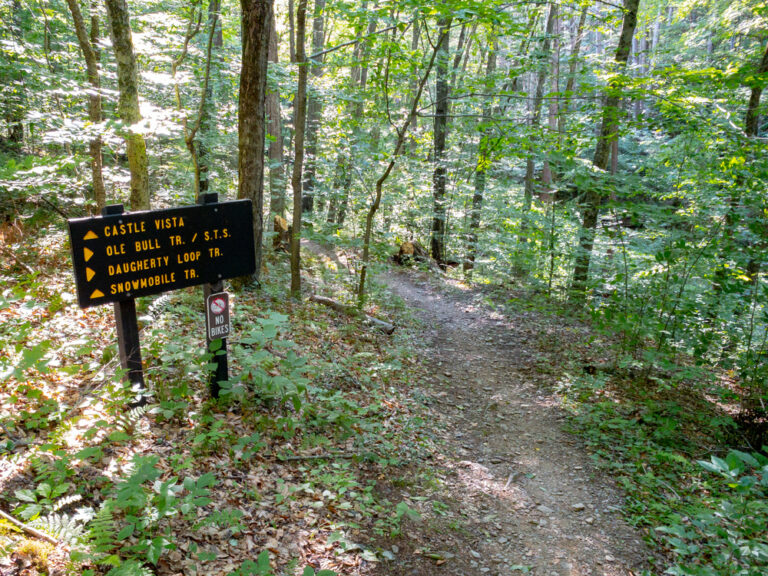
(359,80)
(276,166)
(753,108)
(314,109)
(608,133)
(256,23)
(535,121)
(401,134)
(573,62)
(94,99)
(298,161)
(442,92)
(128,101)
(484,154)
(291,33)
(207,123)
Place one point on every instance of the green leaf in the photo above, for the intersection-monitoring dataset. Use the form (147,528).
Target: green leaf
(126,532)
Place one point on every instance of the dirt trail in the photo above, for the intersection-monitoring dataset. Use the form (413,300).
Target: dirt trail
(522,495)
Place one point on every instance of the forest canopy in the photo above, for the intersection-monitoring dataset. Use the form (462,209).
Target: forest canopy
(607,157)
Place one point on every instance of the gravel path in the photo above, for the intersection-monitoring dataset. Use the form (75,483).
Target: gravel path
(520,494)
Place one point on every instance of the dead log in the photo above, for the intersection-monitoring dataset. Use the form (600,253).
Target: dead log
(382,325)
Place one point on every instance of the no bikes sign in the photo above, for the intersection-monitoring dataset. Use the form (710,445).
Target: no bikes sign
(217,316)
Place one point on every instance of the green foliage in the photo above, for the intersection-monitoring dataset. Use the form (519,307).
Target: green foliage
(727,534)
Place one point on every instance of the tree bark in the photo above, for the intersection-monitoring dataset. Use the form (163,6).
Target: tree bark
(608,133)
(484,157)
(535,120)
(314,109)
(753,107)
(442,92)
(573,62)
(298,159)
(276,166)
(94,98)
(359,80)
(207,118)
(256,23)
(128,101)
(401,134)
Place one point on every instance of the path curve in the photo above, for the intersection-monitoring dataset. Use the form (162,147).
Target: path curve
(526,495)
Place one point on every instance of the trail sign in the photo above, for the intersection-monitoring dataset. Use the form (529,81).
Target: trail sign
(118,257)
(217,316)
(121,256)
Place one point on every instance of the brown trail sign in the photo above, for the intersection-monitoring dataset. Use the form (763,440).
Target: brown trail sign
(124,256)
(120,256)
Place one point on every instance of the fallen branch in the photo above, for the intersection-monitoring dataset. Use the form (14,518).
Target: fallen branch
(28,529)
(382,325)
(16,259)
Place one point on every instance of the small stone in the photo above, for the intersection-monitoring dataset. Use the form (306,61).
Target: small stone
(590,520)
(475,554)
(578,507)
(609,558)
(545,509)
(502,540)
(395,548)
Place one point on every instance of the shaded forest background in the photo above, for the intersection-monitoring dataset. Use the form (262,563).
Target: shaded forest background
(608,158)
(605,156)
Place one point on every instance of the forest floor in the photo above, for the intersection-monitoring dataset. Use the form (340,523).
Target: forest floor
(526,494)
(439,450)
(507,490)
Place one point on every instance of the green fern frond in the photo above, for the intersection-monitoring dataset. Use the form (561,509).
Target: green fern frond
(102,531)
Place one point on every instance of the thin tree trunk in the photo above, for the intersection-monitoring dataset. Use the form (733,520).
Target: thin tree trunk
(535,121)
(554,105)
(298,162)
(442,92)
(207,119)
(314,109)
(484,157)
(608,133)
(291,33)
(573,62)
(276,165)
(256,23)
(401,134)
(128,101)
(359,76)
(94,99)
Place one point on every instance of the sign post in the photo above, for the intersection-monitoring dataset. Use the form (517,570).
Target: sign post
(128,343)
(120,256)
(221,372)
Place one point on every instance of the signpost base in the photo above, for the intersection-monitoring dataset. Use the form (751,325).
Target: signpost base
(221,371)
(128,343)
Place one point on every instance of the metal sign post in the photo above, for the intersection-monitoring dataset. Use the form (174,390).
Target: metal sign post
(210,291)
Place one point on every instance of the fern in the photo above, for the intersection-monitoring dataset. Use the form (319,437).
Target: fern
(130,568)
(102,531)
(65,501)
(61,526)
(127,422)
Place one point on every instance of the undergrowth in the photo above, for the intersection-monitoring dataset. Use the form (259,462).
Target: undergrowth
(701,504)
